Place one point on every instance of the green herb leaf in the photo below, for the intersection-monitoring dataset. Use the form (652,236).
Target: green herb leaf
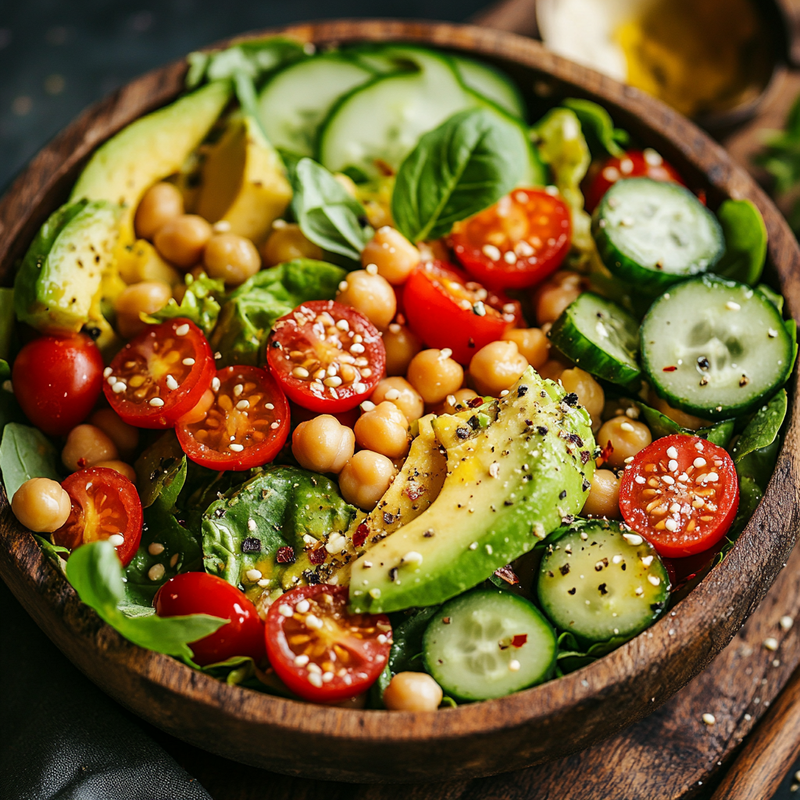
(763,428)
(199,303)
(661,425)
(6,328)
(745,242)
(598,127)
(95,573)
(572,655)
(25,453)
(325,211)
(456,170)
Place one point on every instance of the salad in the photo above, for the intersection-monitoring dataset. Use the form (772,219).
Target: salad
(339,380)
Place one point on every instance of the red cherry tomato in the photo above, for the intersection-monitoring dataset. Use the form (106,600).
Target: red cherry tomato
(57,380)
(633,164)
(201,593)
(447,309)
(517,242)
(321,651)
(245,425)
(327,357)
(104,504)
(160,375)
(681,493)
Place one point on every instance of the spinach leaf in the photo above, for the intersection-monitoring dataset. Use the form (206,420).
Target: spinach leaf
(598,127)
(763,428)
(750,494)
(745,242)
(199,303)
(54,552)
(273,511)
(456,170)
(250,311)
(6,327)
(408,630)
(781,156)
(25,453)
(661,425)
(95,573)
(325,211)
(573,655)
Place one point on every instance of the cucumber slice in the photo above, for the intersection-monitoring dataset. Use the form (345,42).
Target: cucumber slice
(601,338)
(715,348)
(600,580)
(653,234)
(295,102)
(492,84)
(489,643)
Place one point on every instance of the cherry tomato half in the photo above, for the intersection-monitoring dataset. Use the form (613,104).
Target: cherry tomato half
(319,650)
(245,425)
(160,375)
(681,493)
(104,504)
(326,356)
(201,593)
(517,242)
(447,309)
(633,164)
(57,380)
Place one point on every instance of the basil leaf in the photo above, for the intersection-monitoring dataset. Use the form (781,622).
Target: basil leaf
(661,425)
(199,303)
(95,573)
(763,428)
(456,170)
(25,453)
(325,211)
(745,242)
(598,127)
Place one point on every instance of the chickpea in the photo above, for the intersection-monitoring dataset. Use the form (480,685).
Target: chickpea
(603,499)
(183,239)
(400,392)
(232,258)
(383,430)
(412,691)
(680,417)
(496,367)
(287,242)
(457,401)
(141,298)
(370,294)
(41,505)
(126,470)
(532,343)
(124,436)
(590,392)
(626,436)
(365,479)
(160,203)
(323,444)
(401,344)
(435,375)
(86,446)
(393,255)
(552,369)
(555,294)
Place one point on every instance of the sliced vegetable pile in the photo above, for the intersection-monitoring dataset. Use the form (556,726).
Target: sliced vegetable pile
(356,403)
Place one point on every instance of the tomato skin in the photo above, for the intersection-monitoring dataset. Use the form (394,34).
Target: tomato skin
(694,458)
(201,593)
(299,331)
(530,227)
(57,380)
(363,645)
(434,311)
(633,164)
(113,506)
(156,354)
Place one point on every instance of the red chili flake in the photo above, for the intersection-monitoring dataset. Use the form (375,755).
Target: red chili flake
(507,574)
(701,196)
(669,369)
(317,556)
(360,536)
(414,493)
(519,640)
(285,555)
(605,452)
(475,402)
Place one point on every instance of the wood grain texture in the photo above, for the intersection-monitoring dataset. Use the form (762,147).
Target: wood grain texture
(527,728)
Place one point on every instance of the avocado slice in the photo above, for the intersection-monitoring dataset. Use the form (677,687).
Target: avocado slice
(64,267)
(508,485)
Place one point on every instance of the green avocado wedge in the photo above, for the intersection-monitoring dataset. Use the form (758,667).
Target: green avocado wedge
(508,485)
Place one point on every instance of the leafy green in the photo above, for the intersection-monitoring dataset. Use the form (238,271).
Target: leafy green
(408,630)
(661,425)
(763,428)
(598,127)
(250,311)
(745,242)
(326,213)
(781,156)
(572,655)
(456,170)
(53,551)
(277,508)
(25,453)
(199,303)
(95,573)
(6,328)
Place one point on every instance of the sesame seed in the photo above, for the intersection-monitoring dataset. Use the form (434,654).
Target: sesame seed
(473,546)
(275,425)
(357,348)
(712,477)
(188,362)
(514,665)
(627,427)
(772,333)
(491,252)
(236,448)
(156,402)
(359,388)
(344,325)
(368,405)
(445,353)
(393,394)
(709,719)
(334,381)
(327,677)
(374,593)
(253,575)
(628,460)
(106,372)
(155,548)
(670,524)
(312,667)
(264,582)
(654,579)
(314,622)
(731,306)
(672,452)
(269,406)
(494,469)
(510,257)
(771,644)
(371,269)
(300,372)
(215,383)
(301,660)
(640,480)
(633,539)
(786,623)
(119,387)
(699,462)
(182,330)
(217,356)
(647,560)
(302,606)
(156,572)
(673,465)
(668,479)
(171,383)
(116,539)
(412,557)
(314,679)
(243,404)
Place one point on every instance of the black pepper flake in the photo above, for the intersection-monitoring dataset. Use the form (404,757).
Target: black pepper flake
(586,485)
(219,513)
(704,381)
(393,574)
(602,589)
(573,438)
(702,362)
(508,502)
(571,591)
(474,423)
(388,518)
(571,399)
(462,433)
(564,569)
(522,390)
(541,430)
(600,564)
(562,494)
(585,456)
(276,344)
(251,545)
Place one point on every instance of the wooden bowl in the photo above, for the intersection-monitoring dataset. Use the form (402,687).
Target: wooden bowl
(526,728)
